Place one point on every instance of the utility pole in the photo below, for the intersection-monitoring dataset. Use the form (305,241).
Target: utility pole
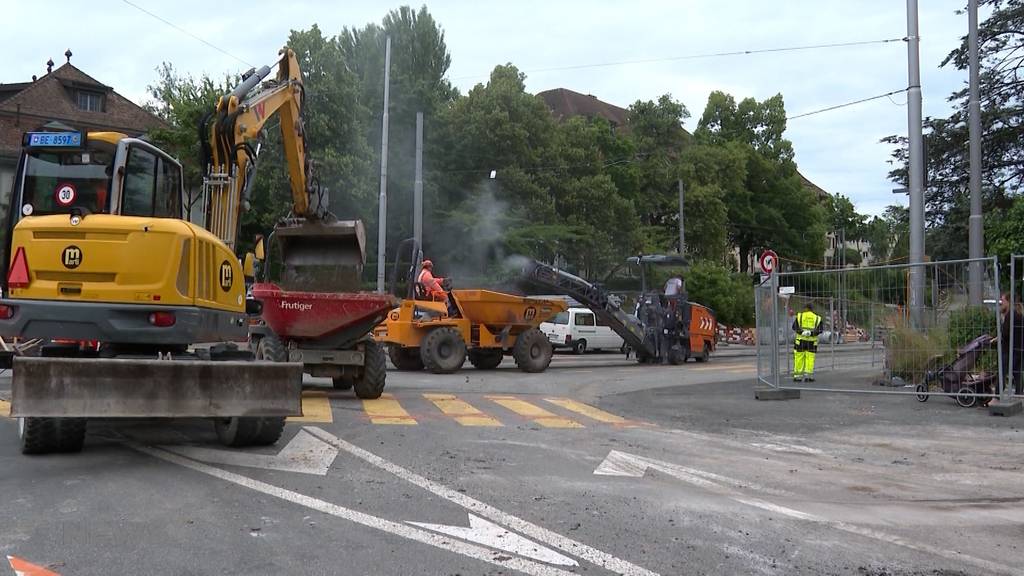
(382,210)
(976,243)
(417,187)
(682,226)
(915,168)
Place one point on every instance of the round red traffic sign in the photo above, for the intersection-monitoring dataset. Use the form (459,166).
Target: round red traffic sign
(769,260)
(65,194)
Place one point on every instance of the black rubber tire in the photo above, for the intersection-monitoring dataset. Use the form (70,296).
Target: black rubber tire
(369,385)
(705,354)
(965,398)
(270,429)
(70,434)
(237,431)
(532,351)
(443,350)
(271,348)
(342,382)
(921,397)
(37,435)
(677,355)
(579,347)
(405,359)
(486,358)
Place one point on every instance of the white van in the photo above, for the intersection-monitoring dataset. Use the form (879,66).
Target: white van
(579,329)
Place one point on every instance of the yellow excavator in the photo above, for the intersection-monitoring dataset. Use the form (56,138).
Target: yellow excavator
(101,249)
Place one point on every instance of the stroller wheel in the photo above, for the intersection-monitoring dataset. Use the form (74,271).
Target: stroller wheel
(965,397)
(921,393)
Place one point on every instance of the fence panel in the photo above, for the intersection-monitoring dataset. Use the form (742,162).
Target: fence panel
(1015,326)
(868,341)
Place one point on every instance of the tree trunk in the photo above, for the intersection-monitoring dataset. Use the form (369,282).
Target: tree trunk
(744,259)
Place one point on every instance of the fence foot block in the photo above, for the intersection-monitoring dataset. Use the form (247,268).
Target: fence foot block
(763,393)
(1006,408)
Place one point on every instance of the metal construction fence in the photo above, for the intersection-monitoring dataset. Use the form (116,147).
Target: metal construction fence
(871,340)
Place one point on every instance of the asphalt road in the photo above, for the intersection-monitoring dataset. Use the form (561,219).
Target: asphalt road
(598,466)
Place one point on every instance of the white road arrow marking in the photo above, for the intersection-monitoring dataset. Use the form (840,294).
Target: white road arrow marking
(483,532)
(396,528)
(539,533)
(633,466)
(305,454)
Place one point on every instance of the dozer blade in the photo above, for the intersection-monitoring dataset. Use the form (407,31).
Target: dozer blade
(105,388)
(321,256)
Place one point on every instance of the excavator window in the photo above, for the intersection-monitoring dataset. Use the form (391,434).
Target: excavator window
(56,181)
(152,185)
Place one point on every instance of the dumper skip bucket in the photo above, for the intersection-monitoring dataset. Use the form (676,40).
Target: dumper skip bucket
(321,256)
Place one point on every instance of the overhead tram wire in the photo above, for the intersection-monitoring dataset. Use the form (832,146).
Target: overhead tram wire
(700,56)
(846,104)
(186,32)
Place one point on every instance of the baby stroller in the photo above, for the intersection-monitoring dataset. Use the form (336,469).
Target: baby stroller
(959,378)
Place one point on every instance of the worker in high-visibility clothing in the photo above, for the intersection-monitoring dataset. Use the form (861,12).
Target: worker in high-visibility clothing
(807,326)
(430,284)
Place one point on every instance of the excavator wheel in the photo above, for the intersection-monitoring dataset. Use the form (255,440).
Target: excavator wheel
(405,359)
(486,358)
(249,430)
(369,385)
(443,350)
(255,430)
(532,351)
(41,435)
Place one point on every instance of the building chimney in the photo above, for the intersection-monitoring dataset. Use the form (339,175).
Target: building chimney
(67,54)
(49,65)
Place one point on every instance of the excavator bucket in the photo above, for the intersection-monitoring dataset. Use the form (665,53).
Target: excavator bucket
(321,256)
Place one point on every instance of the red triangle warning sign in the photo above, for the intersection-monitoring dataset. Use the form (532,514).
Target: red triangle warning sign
(23,568)
(18,275)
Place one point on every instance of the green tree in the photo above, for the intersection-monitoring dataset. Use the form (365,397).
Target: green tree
(418,83)
(730,295)
(774,209)
(1001,91)
(181,102)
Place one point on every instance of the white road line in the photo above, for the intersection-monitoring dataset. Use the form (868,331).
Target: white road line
(538,533)
(787,448)
(305,454)
(630,465)
(491,535)
(396,528)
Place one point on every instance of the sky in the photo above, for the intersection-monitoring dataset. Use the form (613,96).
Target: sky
(120,45)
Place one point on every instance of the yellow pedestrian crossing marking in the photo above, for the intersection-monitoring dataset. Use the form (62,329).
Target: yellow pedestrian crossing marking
(534,412)
(463,412)
(387,410)
(589,411)
(5,409)
(316,407)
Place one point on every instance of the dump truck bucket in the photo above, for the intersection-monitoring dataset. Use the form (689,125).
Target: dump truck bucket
(114,388)
(321,255)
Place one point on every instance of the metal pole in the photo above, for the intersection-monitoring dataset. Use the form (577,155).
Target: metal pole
(916,166)
(1002,390)
(682,227)
(976,243)
(774,283)
(1013,323)
(417,188)
(382,210)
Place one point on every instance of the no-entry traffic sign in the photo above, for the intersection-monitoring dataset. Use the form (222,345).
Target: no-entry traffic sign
(769,260)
